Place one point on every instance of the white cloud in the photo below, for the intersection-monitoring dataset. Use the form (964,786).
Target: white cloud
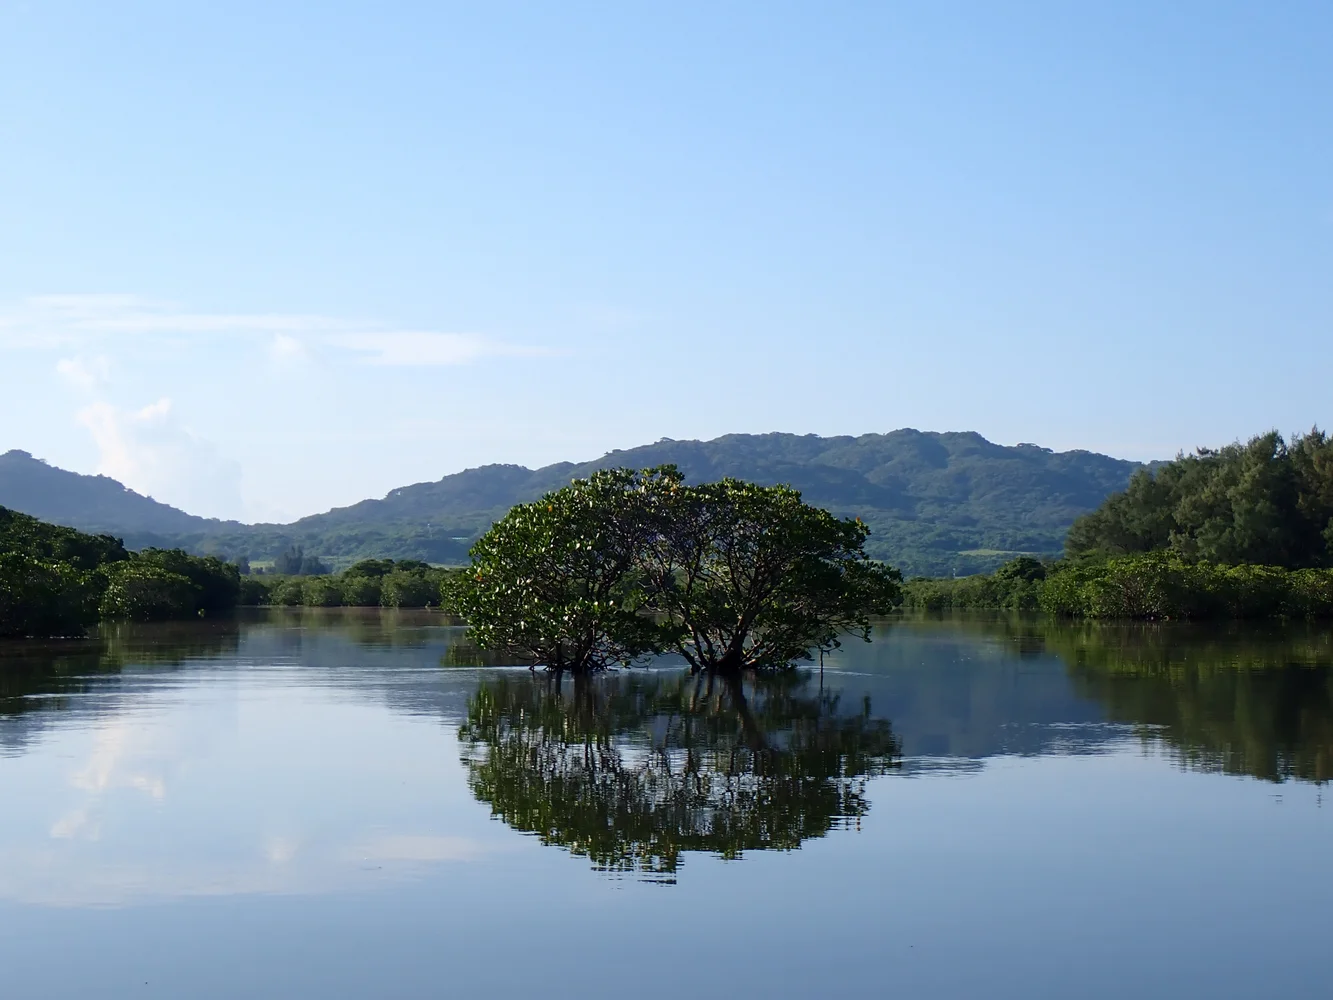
(153,453)
(285,350)
(424,348)
(56,321)
(83,372)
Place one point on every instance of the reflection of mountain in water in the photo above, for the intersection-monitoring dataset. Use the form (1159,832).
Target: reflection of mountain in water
(634,769)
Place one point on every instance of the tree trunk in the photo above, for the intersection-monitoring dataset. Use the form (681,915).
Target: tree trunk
(750,731)
(730,664)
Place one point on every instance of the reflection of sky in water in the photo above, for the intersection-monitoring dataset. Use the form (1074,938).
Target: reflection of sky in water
(252,783)
(291,818)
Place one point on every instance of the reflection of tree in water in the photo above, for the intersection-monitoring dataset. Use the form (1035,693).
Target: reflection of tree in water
(634,769)
(462,652)
(1238,699)
(386,628)
(45,674)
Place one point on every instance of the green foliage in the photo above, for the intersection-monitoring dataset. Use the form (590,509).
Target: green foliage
(1150,586)
(1162,586)
(57,581)
(143,590)
(41,599)
(295,562)
(373,583)
(360,591)
(1015,586)
(162,584)
(635,770)
(372,568)
(217,583)
(321,592)
(551,582)
(410,588)
(1266,502)
(52,543)
(754,578)
(731,575)
(288,593)
(254,591)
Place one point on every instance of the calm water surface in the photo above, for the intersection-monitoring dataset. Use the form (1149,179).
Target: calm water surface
(355,805)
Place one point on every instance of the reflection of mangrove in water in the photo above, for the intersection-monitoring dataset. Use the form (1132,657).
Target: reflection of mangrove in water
(44,675)
(380,628)
(1236,699)
(634,769)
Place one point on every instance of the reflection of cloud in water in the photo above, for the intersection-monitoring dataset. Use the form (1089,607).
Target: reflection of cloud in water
(227,783)
(418,848)
(280,850)
(102,773)
(277,866)
(76,823)
(108,750)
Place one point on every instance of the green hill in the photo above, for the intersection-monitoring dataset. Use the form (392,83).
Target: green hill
(937,503)
(94,503)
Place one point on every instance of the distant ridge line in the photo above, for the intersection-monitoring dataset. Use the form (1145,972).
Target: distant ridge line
(933,499)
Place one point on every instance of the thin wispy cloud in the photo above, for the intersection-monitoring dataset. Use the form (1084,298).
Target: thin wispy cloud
(83,372)
(63,322)
(425,348)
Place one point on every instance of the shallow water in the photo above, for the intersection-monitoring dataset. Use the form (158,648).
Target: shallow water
(338,805)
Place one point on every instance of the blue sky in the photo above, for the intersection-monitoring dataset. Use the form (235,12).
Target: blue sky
(261,259)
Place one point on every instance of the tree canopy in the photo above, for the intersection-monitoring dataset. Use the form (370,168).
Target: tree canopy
(753,577)
(730,575)
(55,543)
(554,582)
(1268,502)
(55,581)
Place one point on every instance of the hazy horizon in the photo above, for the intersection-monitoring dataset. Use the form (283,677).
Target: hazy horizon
(264,260)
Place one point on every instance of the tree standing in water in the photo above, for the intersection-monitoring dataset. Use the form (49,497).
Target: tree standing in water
(552,582)
(730,575)
(754,578)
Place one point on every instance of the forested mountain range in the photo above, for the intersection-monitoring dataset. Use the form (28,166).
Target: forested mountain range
(936,503)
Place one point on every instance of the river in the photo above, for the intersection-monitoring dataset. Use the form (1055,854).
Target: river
(358,804)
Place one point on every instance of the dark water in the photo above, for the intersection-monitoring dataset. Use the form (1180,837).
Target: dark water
(353,805)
